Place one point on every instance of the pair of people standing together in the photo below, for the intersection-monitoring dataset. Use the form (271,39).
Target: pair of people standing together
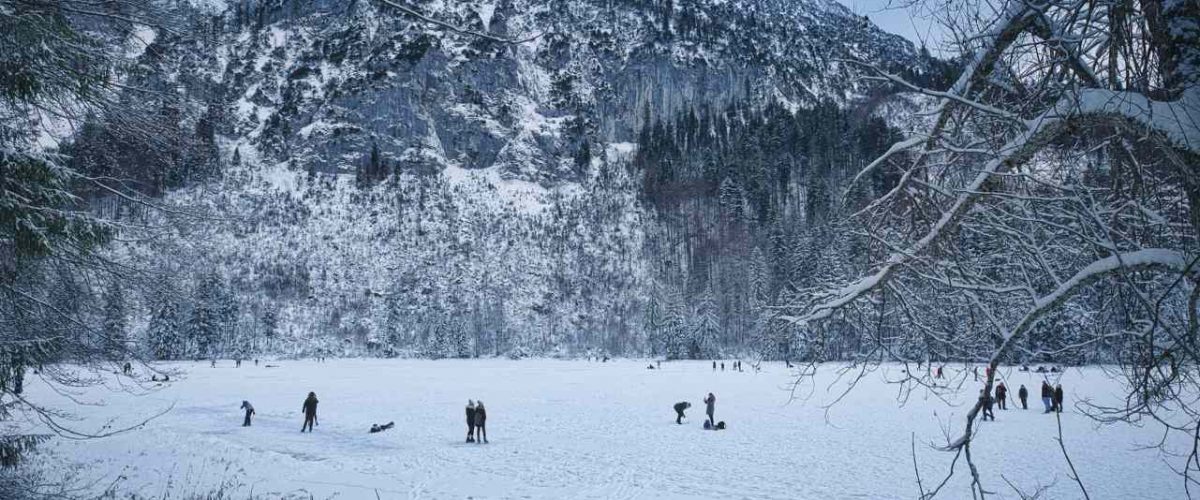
(476,422)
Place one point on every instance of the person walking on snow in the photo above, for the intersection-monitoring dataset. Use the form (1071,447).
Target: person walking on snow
(310,412)
(1058,398)
(480,423)
(714,366)
(710,404)
(1023,393)
(1047,396)
(249,411)
(1002,396)
(679,408)
(470,421)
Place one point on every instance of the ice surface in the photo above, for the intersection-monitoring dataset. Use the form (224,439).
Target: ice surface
(574,429)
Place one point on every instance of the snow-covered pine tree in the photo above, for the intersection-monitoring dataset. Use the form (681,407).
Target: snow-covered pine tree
(654,319)
(115,325)
(205,327)
(675,326)
(706,328)
(164,334)
(229,319)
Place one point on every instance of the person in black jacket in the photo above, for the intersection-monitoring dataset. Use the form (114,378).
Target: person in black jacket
(1058,398)
(470,421)
(1023,394)
(1047,396)
(1002,396)
(310,412)
(986,398)
(679,407)
(480,422)
(249,411)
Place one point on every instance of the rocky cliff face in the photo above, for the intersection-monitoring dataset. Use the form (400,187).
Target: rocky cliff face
(320,81)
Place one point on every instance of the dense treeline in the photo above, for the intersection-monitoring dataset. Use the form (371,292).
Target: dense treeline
(746,201)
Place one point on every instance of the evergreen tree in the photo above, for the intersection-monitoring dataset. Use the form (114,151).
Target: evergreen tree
(206,323)
(163,334)
(115,324)
(706,329)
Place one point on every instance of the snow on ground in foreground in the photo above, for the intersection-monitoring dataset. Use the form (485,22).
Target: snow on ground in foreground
(574,429)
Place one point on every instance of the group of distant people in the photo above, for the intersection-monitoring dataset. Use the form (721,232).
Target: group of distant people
(476,418)
(1052,399)
(737,366)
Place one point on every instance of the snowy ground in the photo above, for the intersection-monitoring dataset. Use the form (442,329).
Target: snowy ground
(574,429)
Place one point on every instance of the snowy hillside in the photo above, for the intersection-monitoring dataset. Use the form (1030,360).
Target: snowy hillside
(389,186)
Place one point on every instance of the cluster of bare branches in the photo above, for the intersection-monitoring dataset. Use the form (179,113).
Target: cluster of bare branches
(1050,208)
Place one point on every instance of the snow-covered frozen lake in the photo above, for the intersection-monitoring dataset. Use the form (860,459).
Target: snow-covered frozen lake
(578,429)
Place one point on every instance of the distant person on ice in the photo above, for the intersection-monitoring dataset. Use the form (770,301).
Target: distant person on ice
(470,421)
(1058,398)
(1047,396)
(710,404)
(1002,396)
(310,412)
(679,407)
(249,412)
(480,423)
(1023,393)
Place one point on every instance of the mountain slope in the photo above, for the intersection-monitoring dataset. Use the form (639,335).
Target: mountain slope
(393,186)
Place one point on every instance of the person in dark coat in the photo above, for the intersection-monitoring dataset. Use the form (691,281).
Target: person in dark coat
(710,404)
(679,408)
(310,412)
(1023,394)
(986,398)
(1047,396)
(470,421)
(1002,396)
(249,411)
(714,366)
(480,423)
(1058,398)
